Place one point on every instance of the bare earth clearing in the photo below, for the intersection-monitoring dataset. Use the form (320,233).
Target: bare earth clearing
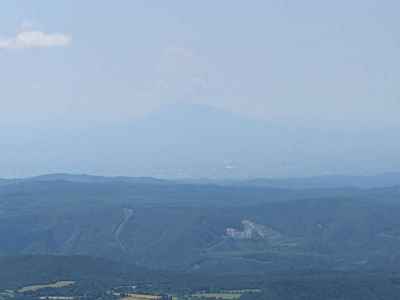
(34,288)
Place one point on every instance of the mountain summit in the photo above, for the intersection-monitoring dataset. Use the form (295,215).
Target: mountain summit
(198,141)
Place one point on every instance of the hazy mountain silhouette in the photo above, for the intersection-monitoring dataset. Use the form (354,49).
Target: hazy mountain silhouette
(192,141)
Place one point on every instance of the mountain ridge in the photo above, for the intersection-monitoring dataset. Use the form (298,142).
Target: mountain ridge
(198,141)
(389,179)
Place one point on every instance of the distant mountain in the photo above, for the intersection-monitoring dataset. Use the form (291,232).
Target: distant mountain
(94,179)
(317,182)
(328,182)
(197,141)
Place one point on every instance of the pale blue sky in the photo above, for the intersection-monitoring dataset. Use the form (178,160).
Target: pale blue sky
(328,64)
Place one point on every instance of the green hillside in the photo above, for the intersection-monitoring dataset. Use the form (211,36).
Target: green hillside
(191,227)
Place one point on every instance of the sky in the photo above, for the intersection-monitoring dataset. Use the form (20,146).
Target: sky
(85,64)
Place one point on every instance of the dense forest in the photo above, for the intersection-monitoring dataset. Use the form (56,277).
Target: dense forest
(94,278)
(183,238)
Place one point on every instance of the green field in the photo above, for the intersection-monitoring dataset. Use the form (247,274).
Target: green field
(140,297)
(225,296)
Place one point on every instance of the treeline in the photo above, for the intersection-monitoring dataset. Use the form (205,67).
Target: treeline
(20,271)
(95,278)
(331,286)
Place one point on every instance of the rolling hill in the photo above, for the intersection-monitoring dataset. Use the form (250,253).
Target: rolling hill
(201,227)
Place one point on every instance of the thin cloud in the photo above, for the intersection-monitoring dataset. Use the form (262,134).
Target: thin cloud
(35,39)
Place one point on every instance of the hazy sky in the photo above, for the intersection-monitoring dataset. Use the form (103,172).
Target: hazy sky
(280,59)
(78,63)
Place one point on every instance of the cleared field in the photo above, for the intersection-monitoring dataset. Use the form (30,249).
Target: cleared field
(58,284)
(140,297)
(227,296)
